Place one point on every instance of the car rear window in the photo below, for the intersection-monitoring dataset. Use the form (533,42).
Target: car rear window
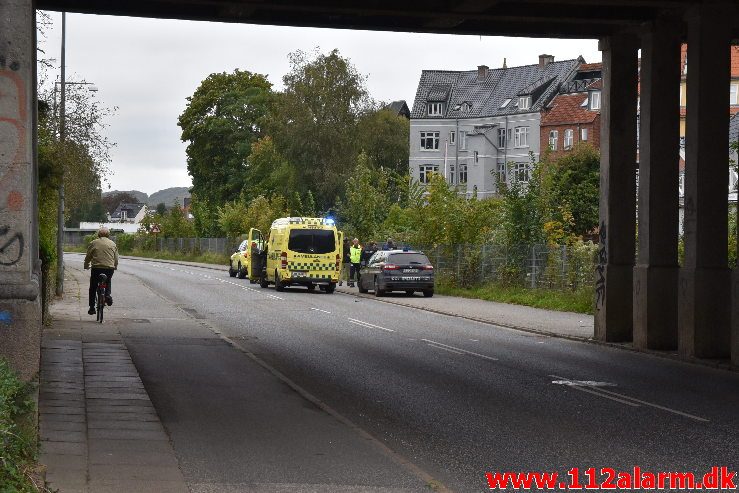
(312,241)
(408,258)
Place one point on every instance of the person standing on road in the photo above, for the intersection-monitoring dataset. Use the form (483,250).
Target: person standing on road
(102,256)
(346,261)
(355,257)
(368,251)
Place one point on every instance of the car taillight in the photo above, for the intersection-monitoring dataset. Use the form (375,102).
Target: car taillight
(389,267)
(427,267)
(338,261)
(283,260)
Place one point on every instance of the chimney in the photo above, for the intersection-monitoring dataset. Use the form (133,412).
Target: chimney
(545,60)
(482,72)
(505,65)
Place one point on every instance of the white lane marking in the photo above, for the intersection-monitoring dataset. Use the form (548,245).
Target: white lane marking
(632,400)
(275,297)
(444,349)
(463,350)
(582,383)
(591,391)
(367,324)
(319,310)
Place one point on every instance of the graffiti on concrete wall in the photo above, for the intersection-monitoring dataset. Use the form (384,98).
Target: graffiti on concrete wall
(600,270)
(13,162)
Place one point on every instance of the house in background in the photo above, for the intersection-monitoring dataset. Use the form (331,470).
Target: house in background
(479,126)
(573,116)
(128,213)
(399,108)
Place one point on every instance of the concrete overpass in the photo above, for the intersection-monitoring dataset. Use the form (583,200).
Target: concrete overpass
(643,296)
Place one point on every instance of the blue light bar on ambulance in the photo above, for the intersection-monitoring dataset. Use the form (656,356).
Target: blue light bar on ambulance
(328,221)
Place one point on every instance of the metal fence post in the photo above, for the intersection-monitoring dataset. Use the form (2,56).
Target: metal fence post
(533,266)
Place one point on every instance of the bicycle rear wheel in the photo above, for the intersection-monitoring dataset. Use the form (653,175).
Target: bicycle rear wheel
(100,307)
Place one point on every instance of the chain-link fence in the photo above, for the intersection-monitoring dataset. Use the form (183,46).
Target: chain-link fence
(536,266)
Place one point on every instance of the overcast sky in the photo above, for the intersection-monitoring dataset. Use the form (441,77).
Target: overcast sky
(147,67)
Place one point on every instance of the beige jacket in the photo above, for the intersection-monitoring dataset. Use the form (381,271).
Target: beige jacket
(102,253)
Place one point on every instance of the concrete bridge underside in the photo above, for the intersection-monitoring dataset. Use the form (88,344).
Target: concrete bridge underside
(643,296)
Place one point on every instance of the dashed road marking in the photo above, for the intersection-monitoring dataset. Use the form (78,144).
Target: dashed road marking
(490,358)
(319,310)
(444,349)
(367,324)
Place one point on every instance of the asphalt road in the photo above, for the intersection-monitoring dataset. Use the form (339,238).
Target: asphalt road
(453,398)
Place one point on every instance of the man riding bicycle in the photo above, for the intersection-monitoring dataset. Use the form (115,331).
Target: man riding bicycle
(102,256)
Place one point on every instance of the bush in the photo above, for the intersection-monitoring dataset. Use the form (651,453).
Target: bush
(17,433)
(125,242)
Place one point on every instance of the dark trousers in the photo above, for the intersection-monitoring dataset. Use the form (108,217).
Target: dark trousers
(94,273)
(354,272)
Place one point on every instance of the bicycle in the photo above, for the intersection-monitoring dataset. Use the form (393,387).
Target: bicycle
(100,296)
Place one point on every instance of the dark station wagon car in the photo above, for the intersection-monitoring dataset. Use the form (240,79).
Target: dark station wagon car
(397,270)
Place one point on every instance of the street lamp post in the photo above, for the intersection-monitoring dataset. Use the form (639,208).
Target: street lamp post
(62,141)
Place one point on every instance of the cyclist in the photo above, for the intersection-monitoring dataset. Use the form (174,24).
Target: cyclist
(102,256)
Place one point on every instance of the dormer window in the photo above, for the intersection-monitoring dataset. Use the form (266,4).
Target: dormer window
(505,103)
(594,100)
(435,109)
(524,102)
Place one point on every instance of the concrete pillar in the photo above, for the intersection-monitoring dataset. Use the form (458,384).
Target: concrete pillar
(704,304)
(614,273)
(20,308)
(656,272)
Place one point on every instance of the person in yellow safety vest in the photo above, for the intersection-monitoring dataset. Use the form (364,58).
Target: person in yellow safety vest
(355,256)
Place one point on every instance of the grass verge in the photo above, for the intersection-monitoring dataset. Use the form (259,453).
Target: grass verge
(18,445)
(204,258)
(580,301)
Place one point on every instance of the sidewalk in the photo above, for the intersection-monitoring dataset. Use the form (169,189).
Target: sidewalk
(98,429)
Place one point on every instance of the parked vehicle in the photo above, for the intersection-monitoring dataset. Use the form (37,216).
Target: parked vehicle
(240,264)
(300,251)
(397,270)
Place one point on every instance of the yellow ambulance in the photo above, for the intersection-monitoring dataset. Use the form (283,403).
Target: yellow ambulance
(300,251)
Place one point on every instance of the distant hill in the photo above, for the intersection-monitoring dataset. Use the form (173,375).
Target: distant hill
(169,196)
(140,196)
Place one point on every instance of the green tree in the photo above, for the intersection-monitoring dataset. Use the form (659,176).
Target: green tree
(268,172)
(314,121)
(161,208)
(220,123)
(365,205)
(383,137)
(570,190)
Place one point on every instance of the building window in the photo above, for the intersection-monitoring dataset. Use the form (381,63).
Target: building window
(521,137)
(521,172)
(583,134)
(124,214)
(427,171)
(505,103)
(429,141)
(477,157)
(734,94)
(434,109)
(463,140)
(553,138)
(452,138)
(462,174)
(595,100)
(524,102)
(569,138)
(501,173)
(501,138)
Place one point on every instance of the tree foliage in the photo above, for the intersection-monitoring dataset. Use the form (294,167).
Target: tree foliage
(220,123)
(314,121)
